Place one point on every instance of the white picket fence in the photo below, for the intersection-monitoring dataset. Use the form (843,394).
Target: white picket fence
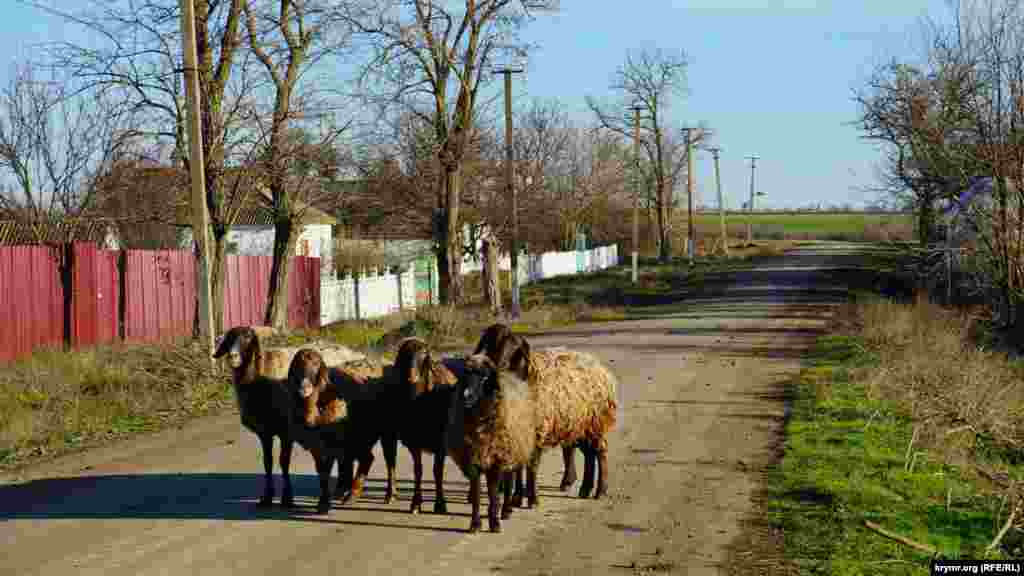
(378,294)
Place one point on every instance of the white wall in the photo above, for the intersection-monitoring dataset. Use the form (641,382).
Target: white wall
(377,294)
(259,241)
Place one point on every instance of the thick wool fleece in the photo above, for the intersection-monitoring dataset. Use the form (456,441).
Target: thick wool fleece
(574,397)
(499,431)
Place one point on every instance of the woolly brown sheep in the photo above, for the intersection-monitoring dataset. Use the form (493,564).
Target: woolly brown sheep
(575,396)
(424,411)
(363,385)
(503,348)
(497,433)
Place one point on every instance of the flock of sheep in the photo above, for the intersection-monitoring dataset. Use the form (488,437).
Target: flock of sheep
(493,413)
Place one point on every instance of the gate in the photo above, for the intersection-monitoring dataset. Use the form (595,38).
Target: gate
(424,269)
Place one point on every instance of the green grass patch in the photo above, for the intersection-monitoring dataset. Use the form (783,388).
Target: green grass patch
(845,462)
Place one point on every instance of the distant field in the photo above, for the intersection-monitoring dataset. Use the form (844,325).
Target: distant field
(812,225)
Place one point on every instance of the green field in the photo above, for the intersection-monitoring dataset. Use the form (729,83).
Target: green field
(851,226)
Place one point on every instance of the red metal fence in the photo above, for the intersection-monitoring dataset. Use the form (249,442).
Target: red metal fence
(79,295)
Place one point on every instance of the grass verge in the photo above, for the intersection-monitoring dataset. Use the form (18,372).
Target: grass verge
(56,402)
(903,443)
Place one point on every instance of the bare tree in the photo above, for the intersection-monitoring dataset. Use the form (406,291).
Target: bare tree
(139,62)
(650,79)
(288,37)
(431,49)
(54,145)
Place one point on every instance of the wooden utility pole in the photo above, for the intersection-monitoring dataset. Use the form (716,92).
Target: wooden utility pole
(750,207)
(689,193)
(636,188)
(200,216)
(510,187)
(721,202)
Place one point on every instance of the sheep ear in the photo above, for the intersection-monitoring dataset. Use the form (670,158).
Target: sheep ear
(520,361)
(226,343)
(426,368)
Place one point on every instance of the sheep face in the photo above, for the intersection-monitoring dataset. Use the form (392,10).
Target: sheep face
(415,367)
(479,383)
(508,351)
(240,344)
(307,379)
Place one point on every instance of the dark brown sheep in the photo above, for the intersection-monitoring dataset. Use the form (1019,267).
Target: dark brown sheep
(263,403)
(424,410)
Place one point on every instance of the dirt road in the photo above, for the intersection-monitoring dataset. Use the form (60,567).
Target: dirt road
(700,401)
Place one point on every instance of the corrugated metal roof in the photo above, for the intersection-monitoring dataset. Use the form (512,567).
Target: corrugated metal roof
(23,232)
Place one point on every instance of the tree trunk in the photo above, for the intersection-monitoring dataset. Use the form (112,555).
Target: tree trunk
(277,297)
(449,264)
(925,219)
(665,244)
(492,286)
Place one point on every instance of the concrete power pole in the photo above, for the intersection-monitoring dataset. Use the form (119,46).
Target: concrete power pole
(510,187)
(200,216)
(721,202)
(690,187)
(636,188)
(750,207)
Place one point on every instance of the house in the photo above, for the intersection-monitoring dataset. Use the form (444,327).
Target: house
(152,208)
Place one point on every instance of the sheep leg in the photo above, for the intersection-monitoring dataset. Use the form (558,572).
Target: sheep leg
(506,504)
(474,500)
(345,464)
(357,483)
(440,506)
(324,464)
(417,475)
(517,496)
(601,449)
(493,522)
(267,441)
(589,462)
(390,448)
(531,480)
(287,499)
(569,473)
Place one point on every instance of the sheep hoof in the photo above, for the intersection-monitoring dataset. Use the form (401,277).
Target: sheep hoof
(585,491)
(506,512)
(567,481)
(388,498)
(323,507)
(265,502)
(517,500)
(601,491)
(533,503)
(495,527)
(474,526)
(440,507)
(288,502)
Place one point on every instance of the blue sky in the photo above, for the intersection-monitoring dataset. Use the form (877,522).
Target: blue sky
(770,77)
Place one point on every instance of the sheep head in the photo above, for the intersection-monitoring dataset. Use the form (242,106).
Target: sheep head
(307,382)
(508,351)
(241,345)
(479,383)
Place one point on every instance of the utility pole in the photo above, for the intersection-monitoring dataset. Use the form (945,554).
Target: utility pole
(511,189)
(200,216)
(636,187)
(689,193)
(750,207)
(721,202)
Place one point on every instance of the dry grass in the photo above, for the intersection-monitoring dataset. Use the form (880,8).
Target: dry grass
(54,402)
(962,397)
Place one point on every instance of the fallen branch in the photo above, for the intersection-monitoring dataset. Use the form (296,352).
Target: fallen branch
(1006,527)
(901,539)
